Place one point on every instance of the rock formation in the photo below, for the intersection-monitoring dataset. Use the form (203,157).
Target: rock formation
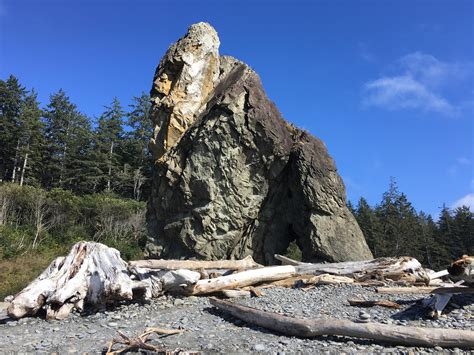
(232,177)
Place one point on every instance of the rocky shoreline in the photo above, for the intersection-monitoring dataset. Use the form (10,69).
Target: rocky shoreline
(208,330)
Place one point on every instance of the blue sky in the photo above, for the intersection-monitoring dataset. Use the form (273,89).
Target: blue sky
(387,85)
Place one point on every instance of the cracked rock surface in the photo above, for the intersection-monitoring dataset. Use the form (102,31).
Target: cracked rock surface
(232,177)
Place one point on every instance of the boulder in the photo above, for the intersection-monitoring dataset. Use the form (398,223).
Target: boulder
(233,178)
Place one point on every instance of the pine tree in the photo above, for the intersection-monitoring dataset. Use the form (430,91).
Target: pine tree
(370,226)
(12,94)
(443,237)
(136,153)
(429,246)
(109,135)
(31,137)
(462,232)
(388,215)
(63,123)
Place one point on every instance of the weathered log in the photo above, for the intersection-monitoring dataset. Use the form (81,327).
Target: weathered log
(403,268)
(244,264)
(92,273)
(29,301)
(306,328)
(241,279)
(367,303)
(236,293)
(424,290)
(463,269)
(286,260)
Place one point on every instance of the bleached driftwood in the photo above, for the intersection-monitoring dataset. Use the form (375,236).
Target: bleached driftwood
(236,293)
(425,290)
(309,280)
(463,269)
(307,328)
(244,264)
(396,269)
(286,260)
(91,272)
(241,279)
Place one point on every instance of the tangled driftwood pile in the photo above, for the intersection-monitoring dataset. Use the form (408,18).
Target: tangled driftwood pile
(94,274)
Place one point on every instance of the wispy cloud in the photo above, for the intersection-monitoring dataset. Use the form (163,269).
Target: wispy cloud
(467,200)
(416,85)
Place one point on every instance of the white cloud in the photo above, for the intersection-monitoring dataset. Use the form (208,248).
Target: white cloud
(404,92)
(416,85)
(467,200)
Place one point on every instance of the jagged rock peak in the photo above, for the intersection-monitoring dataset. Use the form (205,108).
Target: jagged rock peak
(232,177)
(185,77)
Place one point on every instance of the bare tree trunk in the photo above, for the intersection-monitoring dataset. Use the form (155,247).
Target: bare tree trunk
(15,161)
(110,165)
(137,183)
(4,208)
(25,162)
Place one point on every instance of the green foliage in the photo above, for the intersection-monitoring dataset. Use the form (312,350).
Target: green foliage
(294,252)
(394,228)
(38,223)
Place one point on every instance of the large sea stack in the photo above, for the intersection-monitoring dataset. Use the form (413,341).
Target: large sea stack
(233,178)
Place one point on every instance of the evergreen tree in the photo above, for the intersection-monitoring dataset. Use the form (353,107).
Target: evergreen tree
(63,126)
(388,215)
(462,232)
(109,135)
(12,95)
(429,248)
(31,138)
(443,237)
(136,153)
(370,226)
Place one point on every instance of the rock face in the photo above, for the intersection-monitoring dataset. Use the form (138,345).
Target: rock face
(232,177)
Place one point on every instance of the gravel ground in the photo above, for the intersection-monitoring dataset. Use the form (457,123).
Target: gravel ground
(208,330)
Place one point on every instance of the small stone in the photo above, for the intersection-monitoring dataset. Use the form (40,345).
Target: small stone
(178,302)
(112,324)
(364,315)
(259,347)
(438,348)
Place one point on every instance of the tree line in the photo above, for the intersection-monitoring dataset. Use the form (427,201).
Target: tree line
(394,228)
(57,146)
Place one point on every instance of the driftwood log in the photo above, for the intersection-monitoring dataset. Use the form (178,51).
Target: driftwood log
(306,328)
(371,303)
(397,269)
(244,264)
(425,290)
(91,272)
(241,279)
(94,274)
